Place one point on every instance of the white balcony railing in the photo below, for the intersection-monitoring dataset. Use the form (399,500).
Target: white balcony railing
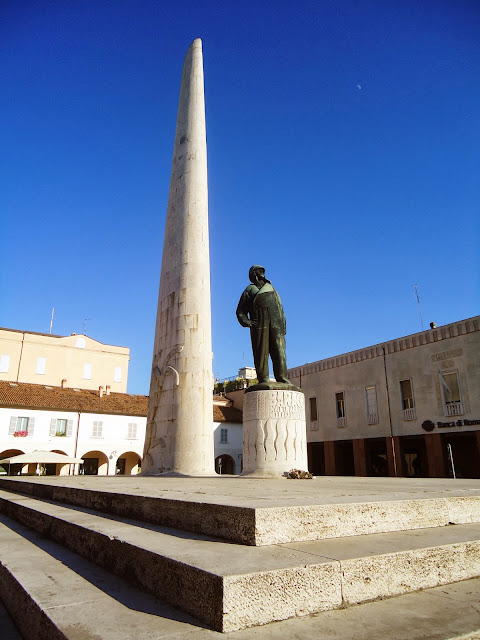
(454,409)
(373,418)
(342,422)
(409,414)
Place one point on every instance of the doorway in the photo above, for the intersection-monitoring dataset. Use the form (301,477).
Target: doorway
(90,466)
(224,465)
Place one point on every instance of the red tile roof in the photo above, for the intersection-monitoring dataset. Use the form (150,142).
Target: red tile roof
(226,414)
(38,396)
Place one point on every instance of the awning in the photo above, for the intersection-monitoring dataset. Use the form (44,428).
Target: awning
(41,457)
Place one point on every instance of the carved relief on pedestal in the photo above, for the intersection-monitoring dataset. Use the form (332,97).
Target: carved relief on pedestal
(274,433)
(275,404)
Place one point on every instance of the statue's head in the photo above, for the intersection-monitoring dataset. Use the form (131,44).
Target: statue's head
(255,272)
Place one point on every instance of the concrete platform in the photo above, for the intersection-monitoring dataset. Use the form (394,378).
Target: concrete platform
(263,512)
(53,594)
(231,587)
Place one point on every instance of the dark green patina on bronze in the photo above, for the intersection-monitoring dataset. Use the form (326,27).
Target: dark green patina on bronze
(260,309)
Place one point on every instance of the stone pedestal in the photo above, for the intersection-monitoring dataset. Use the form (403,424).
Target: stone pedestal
(274,433)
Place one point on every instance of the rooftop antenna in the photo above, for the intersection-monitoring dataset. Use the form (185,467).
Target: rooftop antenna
(419,307)
(51,320)
(85,320)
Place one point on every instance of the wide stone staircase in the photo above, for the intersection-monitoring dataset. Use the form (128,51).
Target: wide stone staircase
(72,557)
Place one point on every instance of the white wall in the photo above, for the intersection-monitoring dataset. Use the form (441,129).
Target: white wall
(112,443)
(234,446)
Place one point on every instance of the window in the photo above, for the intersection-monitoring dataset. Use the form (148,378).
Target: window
(41,365)
(80,343)
(21,426)
(340,406)
(372,407)
(87,371)
(313,410)
(132,431)
(451,393)
(97,429)
(4,363)
(223,436)
(406,394)
(60,427)
(117,374)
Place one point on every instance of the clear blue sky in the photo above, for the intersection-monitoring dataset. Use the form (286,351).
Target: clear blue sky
(343,149)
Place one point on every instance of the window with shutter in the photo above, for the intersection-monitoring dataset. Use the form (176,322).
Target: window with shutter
(97,429)
(87,371)
(13,425)
(31,426)
(69,428)
(340,404)
(61,427)
(451,393)
(132,431)
(41,366)
(408,403)
(53,427)
(4,363)
(372,406)
(407,394)
(22,424)
(117,374)
(340,407)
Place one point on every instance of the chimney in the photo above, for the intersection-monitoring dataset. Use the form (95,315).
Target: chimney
(433,325)
(100,392)
(107,389)
(64,382)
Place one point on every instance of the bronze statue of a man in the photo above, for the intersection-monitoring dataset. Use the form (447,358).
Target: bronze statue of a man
(260,309)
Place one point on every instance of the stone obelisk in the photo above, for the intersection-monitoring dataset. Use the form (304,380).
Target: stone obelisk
(179,437)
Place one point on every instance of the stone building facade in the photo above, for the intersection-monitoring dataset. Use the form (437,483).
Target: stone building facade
(407,407)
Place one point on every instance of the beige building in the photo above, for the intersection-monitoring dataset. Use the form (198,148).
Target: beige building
(75,361)
(406,407)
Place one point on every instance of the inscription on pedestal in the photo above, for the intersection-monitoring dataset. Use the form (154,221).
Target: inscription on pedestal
(275,404)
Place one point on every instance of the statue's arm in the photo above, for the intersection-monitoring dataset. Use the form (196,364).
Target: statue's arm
(283,320)
(242,309)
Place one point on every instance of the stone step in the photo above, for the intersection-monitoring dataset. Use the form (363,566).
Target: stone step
(54,594)
(275,511)
(231,587)
(9,630)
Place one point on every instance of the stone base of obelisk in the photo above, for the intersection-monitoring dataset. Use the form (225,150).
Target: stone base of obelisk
(274,433)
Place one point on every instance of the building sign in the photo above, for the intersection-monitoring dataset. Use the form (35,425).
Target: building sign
(445,355)
(458,423)
(428,425)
